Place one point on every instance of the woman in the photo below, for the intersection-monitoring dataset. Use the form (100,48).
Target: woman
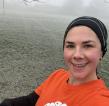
(84,45)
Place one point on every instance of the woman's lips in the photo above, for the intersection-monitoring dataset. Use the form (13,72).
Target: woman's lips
(79,66)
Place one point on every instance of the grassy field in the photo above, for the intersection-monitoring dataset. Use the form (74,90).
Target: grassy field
(30,49)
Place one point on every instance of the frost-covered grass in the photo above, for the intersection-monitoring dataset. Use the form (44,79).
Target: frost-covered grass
(30,49)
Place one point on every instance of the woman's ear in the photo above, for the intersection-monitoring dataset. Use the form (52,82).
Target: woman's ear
(101,55)
(100,58)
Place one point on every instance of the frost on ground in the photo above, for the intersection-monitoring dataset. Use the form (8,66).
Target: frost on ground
(30,49)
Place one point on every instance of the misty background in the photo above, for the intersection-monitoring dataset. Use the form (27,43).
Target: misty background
(31,37)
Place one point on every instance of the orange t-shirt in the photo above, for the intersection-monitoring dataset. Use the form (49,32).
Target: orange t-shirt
(55,91)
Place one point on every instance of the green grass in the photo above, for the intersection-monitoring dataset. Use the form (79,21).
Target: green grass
(105,75)
(30,49)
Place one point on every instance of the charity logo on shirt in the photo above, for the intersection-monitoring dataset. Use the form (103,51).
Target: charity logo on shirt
(57,103)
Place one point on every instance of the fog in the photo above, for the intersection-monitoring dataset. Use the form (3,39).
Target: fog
(98,8)
(31,34)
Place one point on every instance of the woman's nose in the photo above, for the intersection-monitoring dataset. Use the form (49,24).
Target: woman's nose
(78,53)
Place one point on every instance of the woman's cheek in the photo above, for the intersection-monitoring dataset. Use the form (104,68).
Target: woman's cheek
(94,56)
(67,54)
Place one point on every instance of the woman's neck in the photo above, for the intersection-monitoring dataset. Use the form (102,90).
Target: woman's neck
(76,81)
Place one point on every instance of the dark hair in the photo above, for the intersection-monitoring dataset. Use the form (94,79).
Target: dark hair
(95,24)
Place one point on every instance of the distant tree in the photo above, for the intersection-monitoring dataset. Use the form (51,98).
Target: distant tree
(3,4)
(31,1)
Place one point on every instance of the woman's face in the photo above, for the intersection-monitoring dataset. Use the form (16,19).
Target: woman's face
(82,53)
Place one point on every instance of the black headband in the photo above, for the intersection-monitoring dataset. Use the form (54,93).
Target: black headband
(96,25)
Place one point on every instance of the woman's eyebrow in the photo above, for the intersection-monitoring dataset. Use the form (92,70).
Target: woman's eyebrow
(69,42)
(88,41)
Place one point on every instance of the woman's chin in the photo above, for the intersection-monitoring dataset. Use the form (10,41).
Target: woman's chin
(78,74)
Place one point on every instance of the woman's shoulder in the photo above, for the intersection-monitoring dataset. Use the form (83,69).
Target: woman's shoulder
(101,98)
(104,93)
(57,75)
(60,71)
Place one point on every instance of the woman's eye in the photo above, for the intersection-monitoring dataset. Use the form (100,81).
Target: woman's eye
(70,46)
(88,46)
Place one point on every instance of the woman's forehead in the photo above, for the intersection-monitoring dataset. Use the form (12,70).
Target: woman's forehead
(81,28)
(81,33)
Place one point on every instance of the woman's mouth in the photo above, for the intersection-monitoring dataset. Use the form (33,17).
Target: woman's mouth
(79,66)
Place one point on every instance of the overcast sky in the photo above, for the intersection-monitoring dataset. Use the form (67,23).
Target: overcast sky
(65,7)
